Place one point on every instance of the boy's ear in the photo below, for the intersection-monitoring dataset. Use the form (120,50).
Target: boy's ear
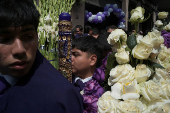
(93,60)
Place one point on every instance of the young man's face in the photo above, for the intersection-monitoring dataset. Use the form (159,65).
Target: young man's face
(80,61)
(18,46)
(78,31)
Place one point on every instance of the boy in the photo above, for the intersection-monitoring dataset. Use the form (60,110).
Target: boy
(28,82)
(86,54)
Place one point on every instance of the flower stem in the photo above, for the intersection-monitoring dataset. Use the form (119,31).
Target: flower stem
(136,27)
(141,61)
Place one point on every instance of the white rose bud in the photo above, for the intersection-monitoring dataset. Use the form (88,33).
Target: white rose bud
(142,73)
(162,15)
(107,104)
(116,35)
(122,56)
(158,23)
(121,73)
(167,27)
(130,106)
(137,14)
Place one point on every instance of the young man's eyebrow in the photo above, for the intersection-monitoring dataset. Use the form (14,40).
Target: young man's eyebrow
(8,31)
(5,31)
(27,29)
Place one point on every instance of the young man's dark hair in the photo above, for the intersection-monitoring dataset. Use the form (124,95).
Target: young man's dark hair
(28,82)
(25,13)
(89,45)
(106,47)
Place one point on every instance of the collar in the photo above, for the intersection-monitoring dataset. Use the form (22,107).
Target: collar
(11,80)
(83,80)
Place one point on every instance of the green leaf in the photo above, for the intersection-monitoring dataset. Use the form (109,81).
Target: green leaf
(155,65)
(131,41)
(111,63)
(127,49)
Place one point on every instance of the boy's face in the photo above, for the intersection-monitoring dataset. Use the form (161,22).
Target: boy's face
(80,61)
(18,46)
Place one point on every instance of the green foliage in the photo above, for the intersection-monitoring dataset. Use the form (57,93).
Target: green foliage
(131,41)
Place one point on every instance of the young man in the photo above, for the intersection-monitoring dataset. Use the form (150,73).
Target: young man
(28,82)
(79,31)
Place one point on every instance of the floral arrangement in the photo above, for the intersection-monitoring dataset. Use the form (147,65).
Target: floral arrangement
(136,77)
(100,16)
(93,89)
(48,30)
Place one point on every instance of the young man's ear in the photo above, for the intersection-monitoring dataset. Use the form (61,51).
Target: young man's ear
(93,60)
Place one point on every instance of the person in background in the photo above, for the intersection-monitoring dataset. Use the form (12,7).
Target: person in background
(86,54)
(79,31)
(28,82)
(111,28)
(106,47)
(102,31)
(95,32)
(87,30)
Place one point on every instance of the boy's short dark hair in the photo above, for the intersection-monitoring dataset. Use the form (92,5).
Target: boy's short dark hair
(102,39)
(111,27)
(20,13)
(89,45)
(87,29)
(95,31)
(80,27)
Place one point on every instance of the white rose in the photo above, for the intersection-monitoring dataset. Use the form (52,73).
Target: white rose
(162,15)
(153,38)
(121,73)
(151,90)
(126,91)
(158,23)
(141,51)
(167,27)
(164,57)
(122,56)
(116,35)
(139,37)
(137,14)
(142,73)
(130,106)
(106,103)
(161,107)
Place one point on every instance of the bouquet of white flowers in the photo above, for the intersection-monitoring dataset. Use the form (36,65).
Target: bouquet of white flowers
(136,81)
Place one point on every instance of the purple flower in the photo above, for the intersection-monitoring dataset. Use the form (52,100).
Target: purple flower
(166,36)
(90,103)
(104,61)
(99,74)
(92,87)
